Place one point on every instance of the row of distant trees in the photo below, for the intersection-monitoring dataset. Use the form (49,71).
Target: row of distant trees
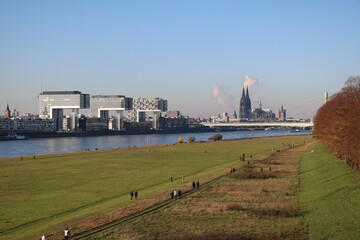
(337,123)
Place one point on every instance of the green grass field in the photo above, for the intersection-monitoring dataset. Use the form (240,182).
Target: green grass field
(248,204)
(83,190)
(50,192)
(329,196)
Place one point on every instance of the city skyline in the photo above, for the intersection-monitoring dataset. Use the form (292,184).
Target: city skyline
(197,55)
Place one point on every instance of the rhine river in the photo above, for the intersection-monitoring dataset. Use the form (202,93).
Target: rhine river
(38,146)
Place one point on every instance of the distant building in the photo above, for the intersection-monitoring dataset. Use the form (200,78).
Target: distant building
(24,125)
(262,114)
(245,105)
(225,117)
(96,124)
(282,114)
(143,106)
(101,105)
(7,112)
(173,114)
(52,104)
(234,116)
(15,113)
(172,123)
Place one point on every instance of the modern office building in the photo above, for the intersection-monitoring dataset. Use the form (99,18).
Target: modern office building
(101,105)
(143,106)
(52,104)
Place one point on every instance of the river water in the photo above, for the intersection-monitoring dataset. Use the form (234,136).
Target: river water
(39,146)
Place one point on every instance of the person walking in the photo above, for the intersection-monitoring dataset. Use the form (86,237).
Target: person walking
(67,233)
(172,194)
(43,237)
(131,195)
(175,194)
(179,193)
(193,185)
(197,184)
(135,194)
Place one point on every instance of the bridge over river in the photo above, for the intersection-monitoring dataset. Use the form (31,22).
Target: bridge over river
(260,125)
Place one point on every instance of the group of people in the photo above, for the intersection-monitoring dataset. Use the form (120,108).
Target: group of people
(242,157)
(175,194)
(195,185)
(133,195)
(231,170)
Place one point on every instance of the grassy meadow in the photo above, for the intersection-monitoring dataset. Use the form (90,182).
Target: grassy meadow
(252,203)
(47,193)
(329,196)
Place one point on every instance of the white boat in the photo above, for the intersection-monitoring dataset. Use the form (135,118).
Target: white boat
(13,137)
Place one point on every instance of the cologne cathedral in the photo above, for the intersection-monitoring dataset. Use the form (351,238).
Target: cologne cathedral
(258,114)
(245,104)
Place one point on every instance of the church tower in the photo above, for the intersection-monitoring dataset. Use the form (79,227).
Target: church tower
(7,112)
(245,104)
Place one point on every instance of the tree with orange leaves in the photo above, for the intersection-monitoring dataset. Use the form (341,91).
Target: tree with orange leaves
(337,123)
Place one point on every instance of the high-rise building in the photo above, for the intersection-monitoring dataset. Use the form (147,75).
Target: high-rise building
(245,105)
(101,105)
(52,104)
(143,106)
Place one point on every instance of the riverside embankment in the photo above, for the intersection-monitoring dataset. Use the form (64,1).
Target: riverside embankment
(39,146)
(47,193)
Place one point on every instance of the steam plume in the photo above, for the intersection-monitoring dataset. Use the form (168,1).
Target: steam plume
(222,96)
(250,81)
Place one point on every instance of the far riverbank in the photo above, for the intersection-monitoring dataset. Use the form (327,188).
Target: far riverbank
(41,146)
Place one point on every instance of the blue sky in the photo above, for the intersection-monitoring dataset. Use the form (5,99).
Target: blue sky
(180,51)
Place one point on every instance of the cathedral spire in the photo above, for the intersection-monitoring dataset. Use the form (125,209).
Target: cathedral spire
(243,92)
(247,92)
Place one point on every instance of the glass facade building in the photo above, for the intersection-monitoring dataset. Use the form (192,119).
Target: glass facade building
(52,103)
(100,105)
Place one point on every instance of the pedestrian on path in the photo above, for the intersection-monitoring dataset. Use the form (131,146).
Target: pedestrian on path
(67,233)
(131,195)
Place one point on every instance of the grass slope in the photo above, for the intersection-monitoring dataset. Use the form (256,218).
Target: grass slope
(49,192)
(329,196)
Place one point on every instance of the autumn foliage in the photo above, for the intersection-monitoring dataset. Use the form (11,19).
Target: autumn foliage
(337,123)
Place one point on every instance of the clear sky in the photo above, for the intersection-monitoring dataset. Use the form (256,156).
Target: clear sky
(195,54)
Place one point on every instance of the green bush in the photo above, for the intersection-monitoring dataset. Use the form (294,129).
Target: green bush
(191,139)
(216,137)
